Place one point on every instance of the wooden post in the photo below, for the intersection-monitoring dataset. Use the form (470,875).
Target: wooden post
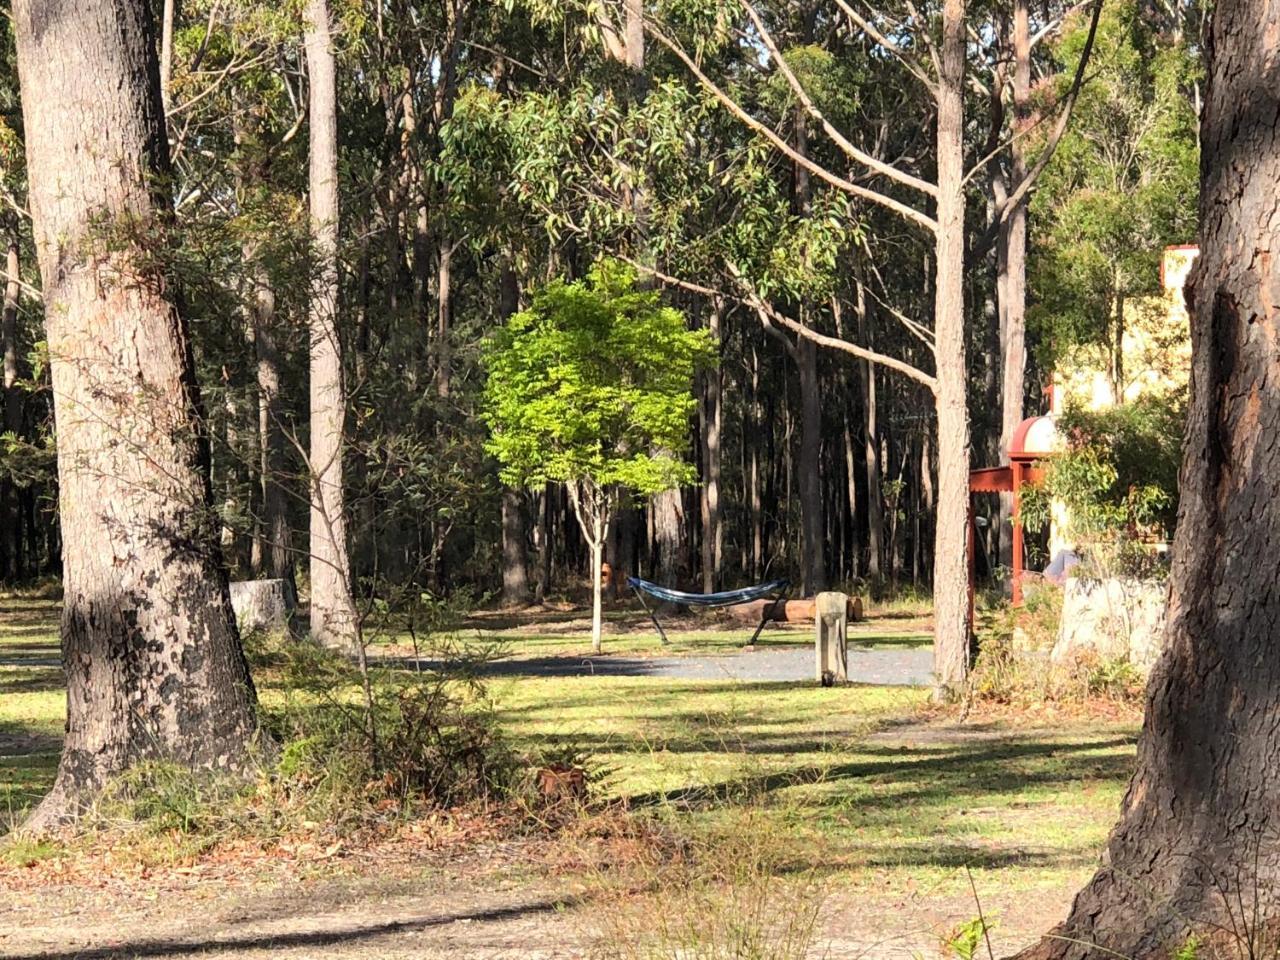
(1017,530)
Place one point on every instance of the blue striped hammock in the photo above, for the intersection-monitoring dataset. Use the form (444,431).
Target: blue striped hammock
(774,589)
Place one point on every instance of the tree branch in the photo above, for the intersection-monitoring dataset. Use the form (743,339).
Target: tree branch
(1004,210)
(889,203)
(839,139)
(908,61)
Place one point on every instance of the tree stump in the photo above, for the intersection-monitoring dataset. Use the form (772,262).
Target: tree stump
(263,604)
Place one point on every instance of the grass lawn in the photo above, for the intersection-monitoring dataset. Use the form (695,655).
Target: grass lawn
(854,781)
(850,776)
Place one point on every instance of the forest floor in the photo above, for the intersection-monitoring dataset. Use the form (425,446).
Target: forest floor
(853,820)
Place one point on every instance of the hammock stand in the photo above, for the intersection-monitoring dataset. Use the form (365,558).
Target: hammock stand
(774,589)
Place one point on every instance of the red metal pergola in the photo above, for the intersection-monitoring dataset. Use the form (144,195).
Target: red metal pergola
(1024,454)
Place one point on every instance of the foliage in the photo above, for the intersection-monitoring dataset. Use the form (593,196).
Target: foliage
(1117,479)
(1013,665)
(591,385)
(1122,185)
(968,938)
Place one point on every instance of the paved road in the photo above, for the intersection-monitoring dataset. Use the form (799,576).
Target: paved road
(909,667)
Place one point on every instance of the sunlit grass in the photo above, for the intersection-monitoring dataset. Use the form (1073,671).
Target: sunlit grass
(850,780)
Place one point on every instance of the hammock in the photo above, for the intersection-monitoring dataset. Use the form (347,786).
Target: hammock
(774,589)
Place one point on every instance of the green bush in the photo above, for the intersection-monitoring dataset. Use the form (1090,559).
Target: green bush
(1118,479)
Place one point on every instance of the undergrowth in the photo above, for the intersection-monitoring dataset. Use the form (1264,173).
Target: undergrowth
(1013,665)
(346,752)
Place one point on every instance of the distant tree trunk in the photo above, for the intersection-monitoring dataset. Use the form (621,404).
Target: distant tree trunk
(710,418)
(515,559)
(813,542)
(230,472)
(150,648)
(11,539)
(950,578)
(1196,840)
(1013,262)
(333,614)
(542,543)
(444,318)
(813,566)
(753,424)
(871,451)
(278,552)
(667,514)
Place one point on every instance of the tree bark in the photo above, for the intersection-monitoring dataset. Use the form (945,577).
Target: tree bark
(1196,839)
(950,577)
(711,423)
(1013,264)
(278,553)
(813,542)
(11,540)
(333,614)
(871,449)
(152,657)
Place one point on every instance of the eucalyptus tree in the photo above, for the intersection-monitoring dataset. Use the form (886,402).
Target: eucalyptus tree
(153,660)
(1122,186)
(333,614)
(1194,849)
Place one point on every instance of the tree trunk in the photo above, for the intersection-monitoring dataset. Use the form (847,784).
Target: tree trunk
(333,615)
(871,449)
(11,541)
(515,564)
(151,653)
(711,423)
(597,606)
(812,525)
(278,553)
(1196,840)
(1013,261)
(168,14)
(444,317)
(950,577)
(668,535)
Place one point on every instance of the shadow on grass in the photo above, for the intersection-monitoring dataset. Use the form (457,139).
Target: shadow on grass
(922,777)
(350,934)
(31,680)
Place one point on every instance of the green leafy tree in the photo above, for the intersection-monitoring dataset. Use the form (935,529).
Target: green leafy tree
(591,387)
(1121,187)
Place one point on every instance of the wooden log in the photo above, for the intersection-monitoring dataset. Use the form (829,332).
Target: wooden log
(785,611)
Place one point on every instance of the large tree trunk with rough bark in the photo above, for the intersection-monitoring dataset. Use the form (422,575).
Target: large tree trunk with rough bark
(950,570)
(333,615)
(1197,836)
(152,657)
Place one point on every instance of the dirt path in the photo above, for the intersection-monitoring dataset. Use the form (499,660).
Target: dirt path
(437,913)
